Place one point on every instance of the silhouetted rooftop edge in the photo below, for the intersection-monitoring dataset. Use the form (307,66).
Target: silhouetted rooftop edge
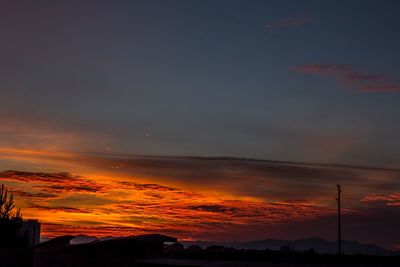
(65,240)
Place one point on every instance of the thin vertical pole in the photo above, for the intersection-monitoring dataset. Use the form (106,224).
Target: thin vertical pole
(339,191)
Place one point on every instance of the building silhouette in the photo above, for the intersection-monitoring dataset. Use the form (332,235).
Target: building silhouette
(123,251)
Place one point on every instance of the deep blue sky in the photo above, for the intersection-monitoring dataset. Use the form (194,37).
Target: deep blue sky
(288,80)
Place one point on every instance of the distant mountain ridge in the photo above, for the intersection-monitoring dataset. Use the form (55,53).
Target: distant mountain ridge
(319,245)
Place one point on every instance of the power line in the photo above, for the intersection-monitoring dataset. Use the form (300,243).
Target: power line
(339,191)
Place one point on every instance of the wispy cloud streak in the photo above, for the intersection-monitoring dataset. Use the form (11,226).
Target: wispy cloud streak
(392,199)
(289,22)
(148,207)
(350,76)
(170,195)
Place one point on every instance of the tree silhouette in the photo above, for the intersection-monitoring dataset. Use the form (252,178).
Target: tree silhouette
(10,222)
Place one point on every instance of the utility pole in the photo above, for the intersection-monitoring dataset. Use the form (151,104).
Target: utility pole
(339,191)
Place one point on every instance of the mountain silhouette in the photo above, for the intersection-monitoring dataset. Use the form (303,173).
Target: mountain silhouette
(319,245)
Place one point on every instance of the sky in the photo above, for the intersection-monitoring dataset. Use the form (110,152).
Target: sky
(228,120)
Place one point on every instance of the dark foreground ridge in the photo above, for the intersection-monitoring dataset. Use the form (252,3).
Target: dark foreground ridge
(160,250)
(227,256)
(123,251)
(316,244)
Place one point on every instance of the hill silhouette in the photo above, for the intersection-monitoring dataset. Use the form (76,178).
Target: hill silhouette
(319,245)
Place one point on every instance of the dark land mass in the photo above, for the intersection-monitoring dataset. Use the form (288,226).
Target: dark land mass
(163,251)
(318,245)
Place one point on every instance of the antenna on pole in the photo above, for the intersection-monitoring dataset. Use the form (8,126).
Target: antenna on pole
(339,191)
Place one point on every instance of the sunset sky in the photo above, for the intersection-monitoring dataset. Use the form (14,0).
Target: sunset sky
(203,119)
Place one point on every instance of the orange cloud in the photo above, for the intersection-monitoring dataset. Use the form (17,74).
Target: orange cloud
(80,205)
(392,199)
(231,177)
(188,197)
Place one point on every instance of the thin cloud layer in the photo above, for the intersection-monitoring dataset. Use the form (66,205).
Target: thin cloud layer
(145,207)
(195,198)
(54,184)
(257,179)
(350,76)
(289,22)
(382,88)
(390,199)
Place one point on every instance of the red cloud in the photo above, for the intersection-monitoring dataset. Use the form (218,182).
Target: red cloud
(390,200)
(61,208)
(54,184)
(323,69)
(368,82)
(67,200)
(289,22)
(382,88)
